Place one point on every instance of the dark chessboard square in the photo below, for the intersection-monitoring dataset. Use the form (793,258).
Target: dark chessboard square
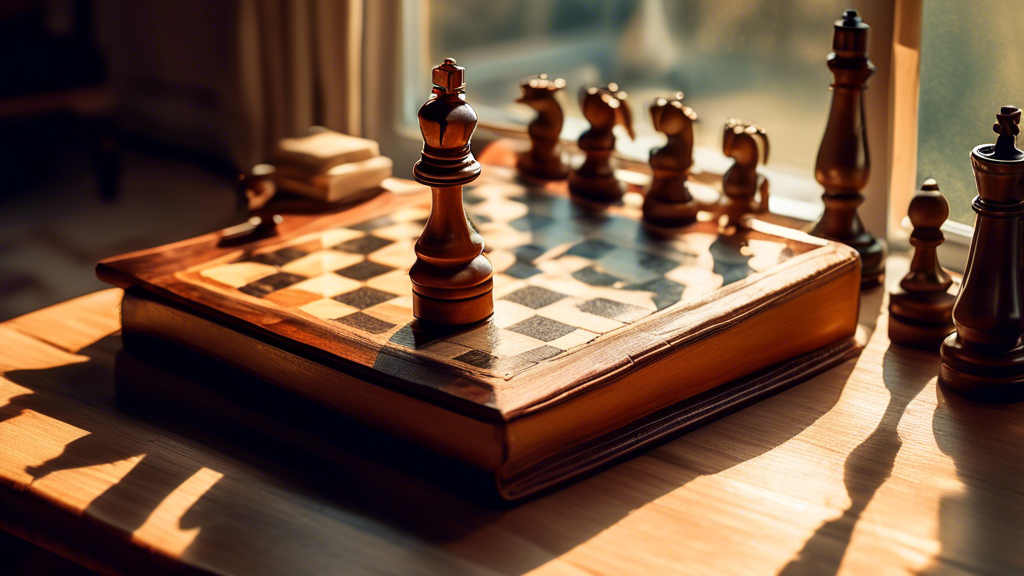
(666,292)
(592,249)
(364,270)
(480,219)
(539,354)
(366,323)
(614,310)
(535,297)
(478,358)
(542,328)
(417,334)
(373,224)
(471,198)
(364,245)
(278,257)
(364,297)
(522,270)
(531,222)
(529,252)
(656,264)
(268,284)
(595,276)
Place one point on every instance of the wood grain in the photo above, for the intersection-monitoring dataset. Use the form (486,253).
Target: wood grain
(867,468)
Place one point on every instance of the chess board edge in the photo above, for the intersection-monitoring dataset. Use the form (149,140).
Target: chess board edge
(791,320)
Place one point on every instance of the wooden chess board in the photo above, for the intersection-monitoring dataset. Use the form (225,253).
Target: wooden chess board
(592,310)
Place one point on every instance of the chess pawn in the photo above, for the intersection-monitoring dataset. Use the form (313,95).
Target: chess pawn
(595,180)
(451,278)
(668,201)
(747,144)
(984,358)
(544,160)
(921,309)
(843,163)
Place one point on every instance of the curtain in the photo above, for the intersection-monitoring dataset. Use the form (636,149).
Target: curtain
(298,66)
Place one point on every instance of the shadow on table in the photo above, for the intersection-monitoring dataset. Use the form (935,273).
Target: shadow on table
(982,526)
(867,467)
(272,437)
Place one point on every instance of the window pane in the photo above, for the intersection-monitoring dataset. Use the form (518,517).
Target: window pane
(972,62)
(761,60)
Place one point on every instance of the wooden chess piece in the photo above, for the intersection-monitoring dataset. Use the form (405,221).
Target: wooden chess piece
(595,179)
(451,278)
(984,358)
(544,160)
(843,164)
(668,201)
(921,309)
(747,144)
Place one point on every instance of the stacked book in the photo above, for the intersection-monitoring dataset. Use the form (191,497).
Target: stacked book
(329,166)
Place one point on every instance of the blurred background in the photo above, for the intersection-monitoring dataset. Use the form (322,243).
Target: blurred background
(124,123)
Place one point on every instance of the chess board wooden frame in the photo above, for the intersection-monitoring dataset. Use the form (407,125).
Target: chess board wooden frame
(534,427)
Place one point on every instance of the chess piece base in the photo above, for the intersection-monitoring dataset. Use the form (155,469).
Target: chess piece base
(453,312)
(985,377)
(665,214)
(601,189)
(531,169)
(920,320)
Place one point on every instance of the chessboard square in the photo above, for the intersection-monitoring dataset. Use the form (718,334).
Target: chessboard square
(568,312)
(492,339)
(364,270)
(327,285)
(507,313)
(366,323)
(320,262)
(278,257)
(522,270)
(291,298)
(591,249)
(238,274)
(500,259)
(529,252)
(364,297)
(478,359)
(573,339)
(363,245)
(539,354)
(401,255)
(595,276)
(268,284)
(542,328)
(373,223)
(400,231)
(535,297)
(666,292)
(327,309)
(613,310)
(335,236)
(396,282)
(531,222)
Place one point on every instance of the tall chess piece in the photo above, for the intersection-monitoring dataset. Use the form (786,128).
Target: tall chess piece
(843,164)
(921,309)
(595,180)
(544,160)
(747,144)
(984,358)
(668,201)
(451,278)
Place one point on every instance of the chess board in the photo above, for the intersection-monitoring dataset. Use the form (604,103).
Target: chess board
(600,324)
(563,278)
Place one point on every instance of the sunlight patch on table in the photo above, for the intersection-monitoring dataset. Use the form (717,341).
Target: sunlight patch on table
(162,529)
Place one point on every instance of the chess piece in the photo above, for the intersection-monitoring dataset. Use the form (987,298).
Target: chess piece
(544,160)
(921,309)
(984,358)
(451,278)
(843,163)
(747,144)
(595,180)
(668,201)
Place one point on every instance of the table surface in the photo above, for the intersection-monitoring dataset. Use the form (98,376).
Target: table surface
(867,468)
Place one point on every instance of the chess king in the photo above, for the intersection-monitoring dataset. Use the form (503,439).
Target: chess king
(451,278)
(984,358)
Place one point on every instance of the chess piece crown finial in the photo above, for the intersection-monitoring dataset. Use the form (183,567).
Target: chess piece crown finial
(1007,125)
(999,167)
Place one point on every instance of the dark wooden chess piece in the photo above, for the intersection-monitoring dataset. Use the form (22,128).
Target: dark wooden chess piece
(747,144)
(843,164)
(668,201)
(921,309)
(451,277)
(595,179)
(984,358)
(544,160)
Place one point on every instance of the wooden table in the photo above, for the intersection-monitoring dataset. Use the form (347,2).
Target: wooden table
(868,468)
